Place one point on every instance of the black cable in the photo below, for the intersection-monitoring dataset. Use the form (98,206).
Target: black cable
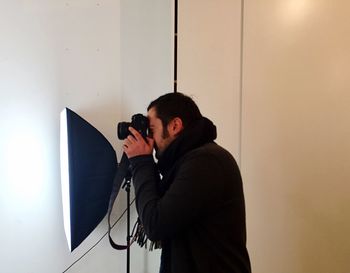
(91,248)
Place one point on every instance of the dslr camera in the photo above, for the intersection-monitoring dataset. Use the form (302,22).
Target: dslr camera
(138,121)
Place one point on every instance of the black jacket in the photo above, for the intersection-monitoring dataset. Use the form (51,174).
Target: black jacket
(197,208)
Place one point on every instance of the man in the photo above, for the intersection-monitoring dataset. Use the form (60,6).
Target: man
(197,208)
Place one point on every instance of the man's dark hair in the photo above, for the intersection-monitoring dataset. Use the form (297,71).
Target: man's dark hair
(172,105)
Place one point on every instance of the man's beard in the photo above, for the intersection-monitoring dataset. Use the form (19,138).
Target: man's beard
(158,152)
(165,134)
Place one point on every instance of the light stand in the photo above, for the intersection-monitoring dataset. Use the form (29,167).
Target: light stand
(122,179)
(126,186)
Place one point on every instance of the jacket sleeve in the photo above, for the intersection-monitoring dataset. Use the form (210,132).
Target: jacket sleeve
(191,196)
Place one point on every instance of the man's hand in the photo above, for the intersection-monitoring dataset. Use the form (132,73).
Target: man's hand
(135,144)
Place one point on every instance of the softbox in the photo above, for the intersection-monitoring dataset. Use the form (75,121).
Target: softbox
(88,166)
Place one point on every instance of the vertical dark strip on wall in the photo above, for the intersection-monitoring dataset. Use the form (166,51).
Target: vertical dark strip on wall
(175,45)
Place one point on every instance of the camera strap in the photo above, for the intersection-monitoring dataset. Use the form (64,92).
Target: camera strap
(121,174)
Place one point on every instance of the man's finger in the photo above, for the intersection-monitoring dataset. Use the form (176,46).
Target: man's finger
(131,138)
(135,133)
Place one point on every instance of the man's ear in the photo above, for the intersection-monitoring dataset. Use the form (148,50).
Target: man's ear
(175,126)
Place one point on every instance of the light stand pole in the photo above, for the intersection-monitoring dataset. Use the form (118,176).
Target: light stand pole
(126,186)
(122,179)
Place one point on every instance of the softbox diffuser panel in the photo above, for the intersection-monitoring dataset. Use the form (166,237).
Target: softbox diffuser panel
(88,167)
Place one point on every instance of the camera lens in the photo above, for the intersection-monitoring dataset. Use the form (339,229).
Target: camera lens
(123,130)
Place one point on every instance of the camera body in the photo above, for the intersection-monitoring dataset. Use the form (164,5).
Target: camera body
(138,121)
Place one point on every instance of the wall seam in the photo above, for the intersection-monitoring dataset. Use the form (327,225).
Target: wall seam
(176,5)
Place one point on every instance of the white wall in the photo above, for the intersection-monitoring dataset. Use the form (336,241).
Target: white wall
(209,63)
(146,53)
(295,126)
(296,130)
(69,53)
